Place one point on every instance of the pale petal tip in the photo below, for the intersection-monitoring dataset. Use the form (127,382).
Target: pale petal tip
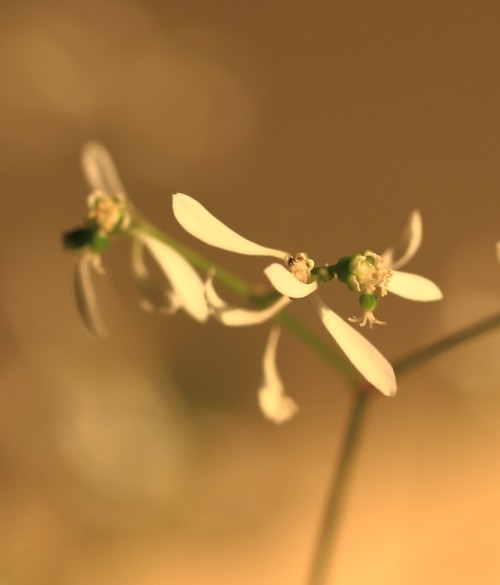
(277,407)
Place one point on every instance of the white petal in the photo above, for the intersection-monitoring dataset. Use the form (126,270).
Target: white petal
(86,299)
(154,297)
(201,224)
(364,356)
(100,170)
(273,401)
(413,287)
(185,281)
(408,243)
(286,283)
(236,317)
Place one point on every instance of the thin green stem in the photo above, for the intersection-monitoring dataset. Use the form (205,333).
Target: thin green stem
(325,547)
(236,284)
(339,483)
(242,288)
(423,355)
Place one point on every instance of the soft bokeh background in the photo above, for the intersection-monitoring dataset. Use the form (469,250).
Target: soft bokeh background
(314,126)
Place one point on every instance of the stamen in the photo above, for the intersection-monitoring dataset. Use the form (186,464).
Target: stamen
(300,266)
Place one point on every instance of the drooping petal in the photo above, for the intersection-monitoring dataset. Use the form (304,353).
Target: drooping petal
(408,243)
(274,403)
(286,283)
(154,297)
(201,224)
(100,170)
(86,300)
(186,284)
(364,356)
(413,287)
(235,316)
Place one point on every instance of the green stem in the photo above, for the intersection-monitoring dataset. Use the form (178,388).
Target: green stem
(338,490)
(242,288)
(423,355)
(332,516)
(236,284)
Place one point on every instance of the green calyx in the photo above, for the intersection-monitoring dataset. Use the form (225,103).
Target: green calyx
(84,237)
(343,269)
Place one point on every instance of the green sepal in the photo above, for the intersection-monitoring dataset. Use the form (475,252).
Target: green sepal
(352,283)
(343,269)
(78,238)
(368,302)
(84,237)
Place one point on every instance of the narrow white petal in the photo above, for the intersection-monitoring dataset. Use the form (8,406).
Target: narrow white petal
(408,243)
(201,224)
(286,283)
(154,297)
(364,356)
(413,287)
(187,285)
(86,299)
(100,170)
(237,317)
(273,401)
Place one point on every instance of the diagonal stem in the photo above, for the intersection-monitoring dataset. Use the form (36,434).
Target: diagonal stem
(339,483)
(325,547)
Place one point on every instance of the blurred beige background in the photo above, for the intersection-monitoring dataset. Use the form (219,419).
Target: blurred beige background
(313,127)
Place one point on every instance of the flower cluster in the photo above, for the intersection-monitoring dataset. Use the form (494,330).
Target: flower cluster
(296,276)
(371,276)
(110,213)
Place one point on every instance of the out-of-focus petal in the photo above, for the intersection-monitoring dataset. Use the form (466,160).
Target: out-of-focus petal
(86,300)
(188,287)
(364,356)
(153,296)
(286,283)
(273,401)
(100,170)
(408,243)
(201,224)
(414,287)
(237,317)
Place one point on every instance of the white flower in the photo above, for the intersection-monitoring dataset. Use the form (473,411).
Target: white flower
(367,273)
(110,212)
